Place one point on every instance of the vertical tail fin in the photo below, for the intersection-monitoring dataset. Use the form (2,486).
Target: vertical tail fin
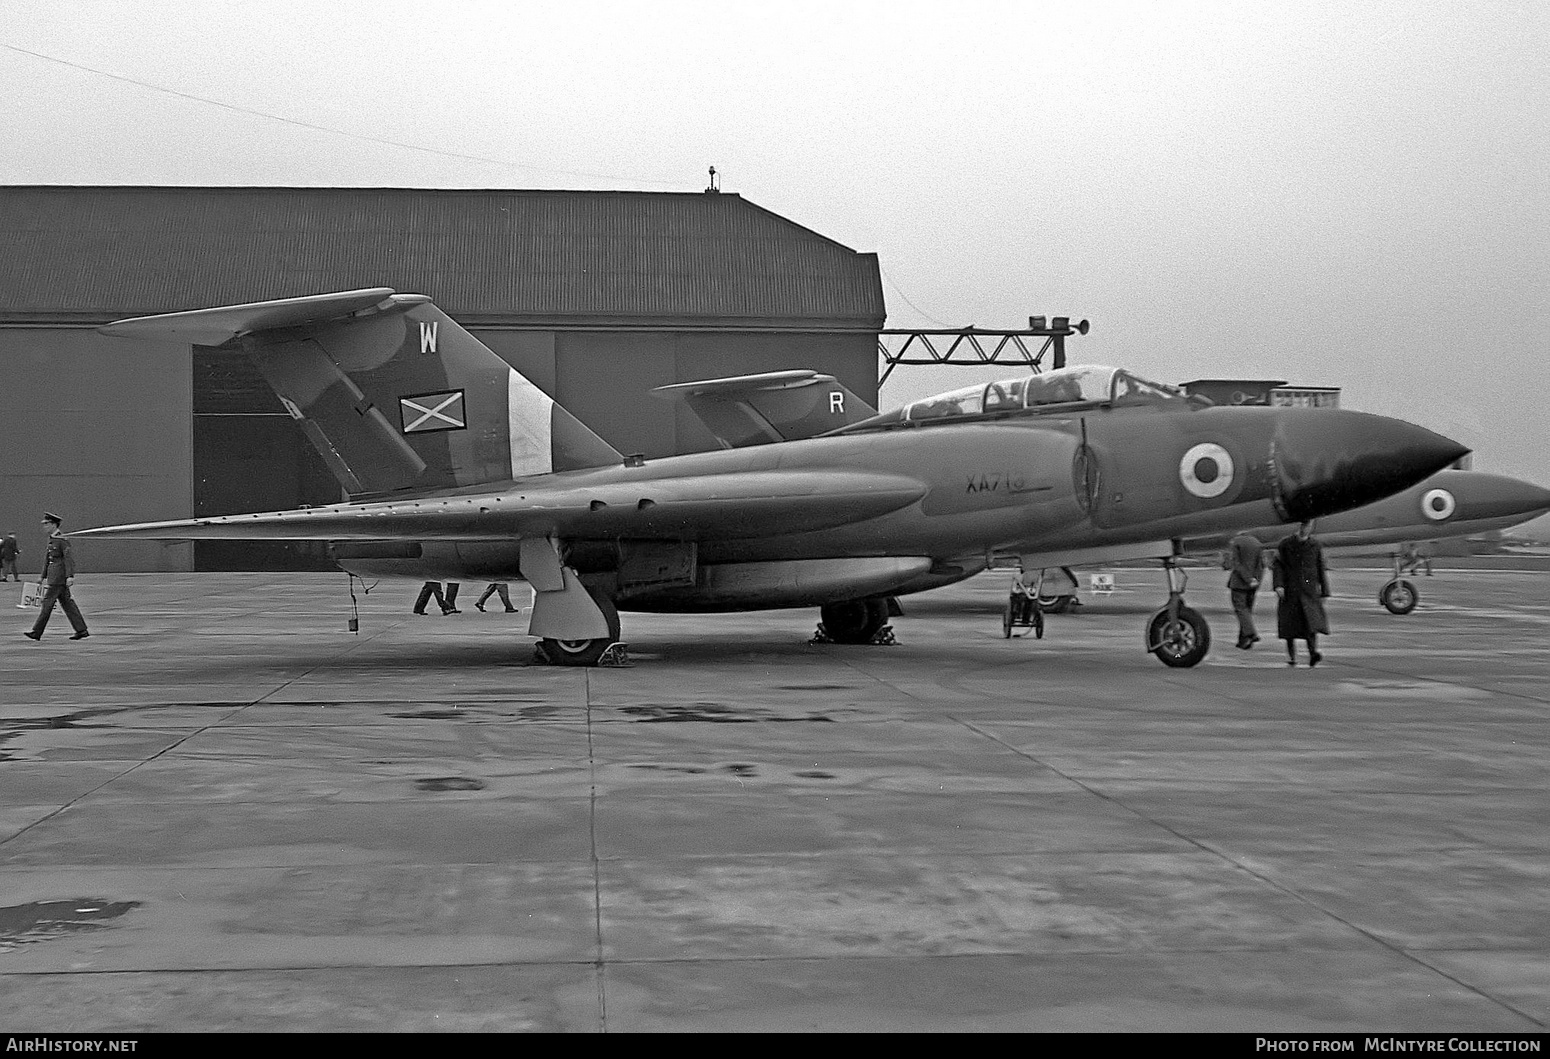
(392,392)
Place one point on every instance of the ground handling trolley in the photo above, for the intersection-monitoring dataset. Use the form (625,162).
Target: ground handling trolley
(1023,611)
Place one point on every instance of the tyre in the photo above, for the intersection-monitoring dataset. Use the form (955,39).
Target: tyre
(1178,642)
(1006,622)
(586,652)
(855,620)
(1399,596)
(1055,604)
(1038,624)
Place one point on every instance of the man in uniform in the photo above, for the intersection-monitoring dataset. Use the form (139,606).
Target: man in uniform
(1245,559)
(58,575)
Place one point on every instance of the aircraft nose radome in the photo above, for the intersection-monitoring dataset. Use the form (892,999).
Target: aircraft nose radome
(1520,498)
(1331,460)
(1479,495)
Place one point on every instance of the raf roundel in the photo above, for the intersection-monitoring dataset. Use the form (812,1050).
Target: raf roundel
(1437,504)
(1206,470)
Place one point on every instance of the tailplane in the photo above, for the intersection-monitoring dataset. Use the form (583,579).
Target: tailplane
(770,407)
(390,390)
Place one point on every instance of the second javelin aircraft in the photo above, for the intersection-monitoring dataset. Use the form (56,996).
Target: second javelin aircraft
(458,467)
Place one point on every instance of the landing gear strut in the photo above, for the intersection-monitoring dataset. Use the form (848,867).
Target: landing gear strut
(1177,634)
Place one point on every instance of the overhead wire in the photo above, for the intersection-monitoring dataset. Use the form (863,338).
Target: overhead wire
(900,292)
(386,141)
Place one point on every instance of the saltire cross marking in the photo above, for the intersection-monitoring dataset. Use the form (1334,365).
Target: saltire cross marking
(433,411)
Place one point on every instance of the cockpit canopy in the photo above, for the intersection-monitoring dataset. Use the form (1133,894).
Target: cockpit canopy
(1082,384)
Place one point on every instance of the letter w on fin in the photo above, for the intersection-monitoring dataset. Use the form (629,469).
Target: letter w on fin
(348,365)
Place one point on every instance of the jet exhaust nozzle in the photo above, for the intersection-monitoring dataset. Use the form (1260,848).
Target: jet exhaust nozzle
(1332,460)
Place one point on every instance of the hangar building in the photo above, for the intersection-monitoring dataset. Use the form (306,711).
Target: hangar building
(596,296)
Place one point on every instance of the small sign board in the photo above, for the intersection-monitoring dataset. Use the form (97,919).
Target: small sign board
(1101,584)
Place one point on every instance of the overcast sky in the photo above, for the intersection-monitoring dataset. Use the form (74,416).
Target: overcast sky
(1353,194)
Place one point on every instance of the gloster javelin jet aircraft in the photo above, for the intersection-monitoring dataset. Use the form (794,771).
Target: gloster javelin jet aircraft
(785,406)
(458,467)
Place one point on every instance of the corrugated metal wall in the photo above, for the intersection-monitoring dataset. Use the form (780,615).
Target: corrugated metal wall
(622,257)
(97,433)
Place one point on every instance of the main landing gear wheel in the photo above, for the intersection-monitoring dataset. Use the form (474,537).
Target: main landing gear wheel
(586,652)
(1399,596)
(1180,638)
(855,620)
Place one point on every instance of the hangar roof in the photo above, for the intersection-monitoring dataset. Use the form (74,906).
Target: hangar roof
(532,258)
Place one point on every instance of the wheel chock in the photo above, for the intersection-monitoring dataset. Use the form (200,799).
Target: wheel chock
(617,655)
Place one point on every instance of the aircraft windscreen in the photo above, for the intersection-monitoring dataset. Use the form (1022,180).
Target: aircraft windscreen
(1006,394)
(1083,384)
(965,402)
(1065,385)
(1132,389)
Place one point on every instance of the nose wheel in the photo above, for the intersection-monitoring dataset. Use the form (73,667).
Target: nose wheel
(1177,634)
(1399,596)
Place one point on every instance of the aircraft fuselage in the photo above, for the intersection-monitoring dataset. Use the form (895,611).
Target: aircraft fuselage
(932,504)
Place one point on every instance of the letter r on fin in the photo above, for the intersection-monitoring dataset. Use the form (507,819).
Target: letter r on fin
(836,402)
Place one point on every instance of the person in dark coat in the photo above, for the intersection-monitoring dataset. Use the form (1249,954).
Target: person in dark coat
(1245,559)
(58,575)
(1302,585)
(8,553)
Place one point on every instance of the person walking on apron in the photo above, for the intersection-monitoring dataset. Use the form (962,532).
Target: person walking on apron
(58,575)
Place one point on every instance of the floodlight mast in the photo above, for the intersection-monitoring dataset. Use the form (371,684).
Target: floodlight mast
(979,345)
